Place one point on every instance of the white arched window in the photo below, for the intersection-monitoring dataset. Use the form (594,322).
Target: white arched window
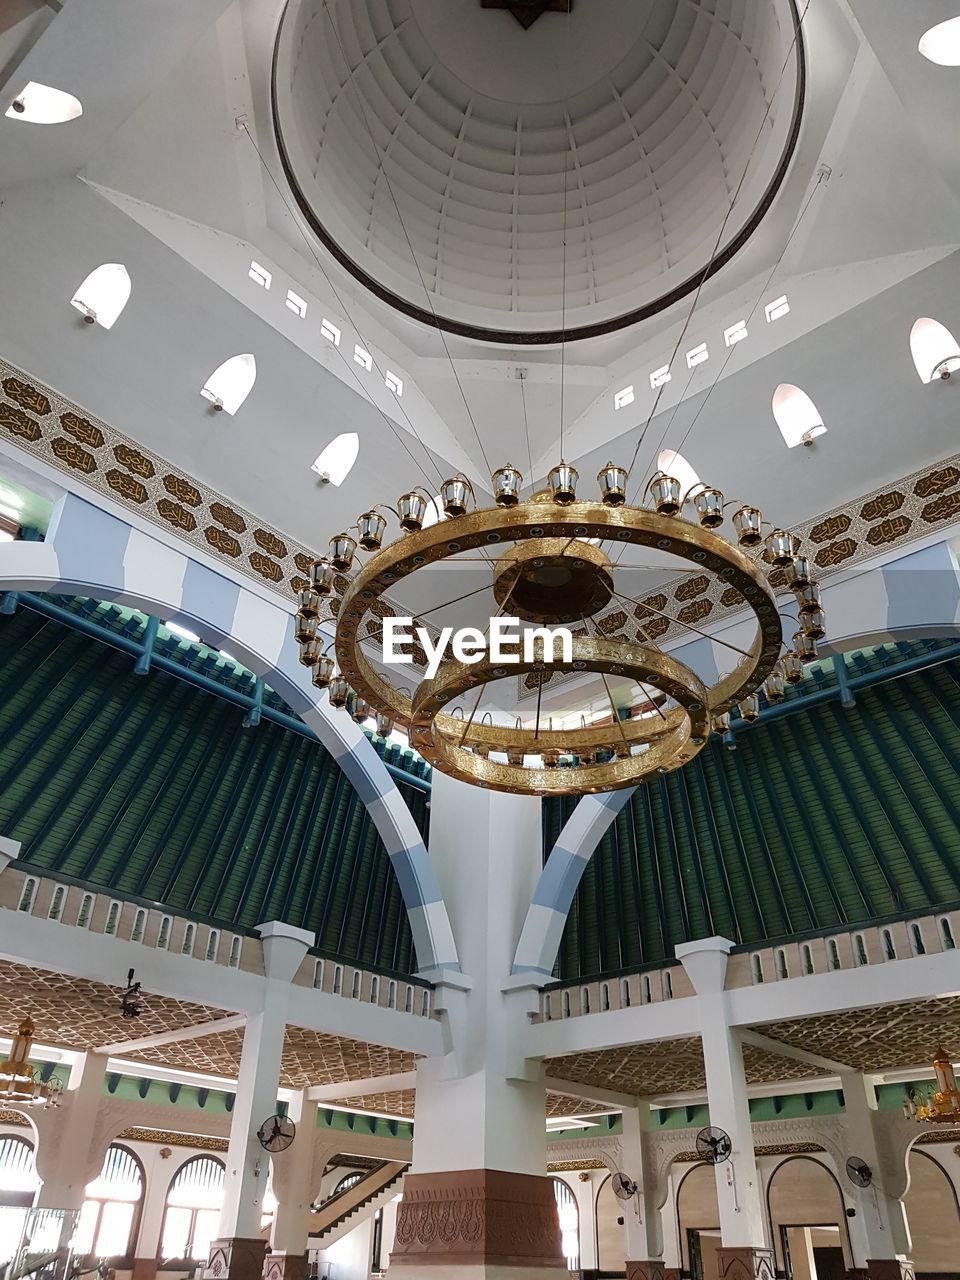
(230,383)
(108,1218)
(192,1215)
(675,464)
(941,44)
(797,416)
(103,295)
(934,350)
(18,1186)
(42,104)
(569,1216)
(336,462)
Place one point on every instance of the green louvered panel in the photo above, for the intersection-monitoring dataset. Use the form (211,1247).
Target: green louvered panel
(154,789)
(819,818)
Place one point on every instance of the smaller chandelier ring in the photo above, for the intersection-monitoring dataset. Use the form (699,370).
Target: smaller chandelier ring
(667,744)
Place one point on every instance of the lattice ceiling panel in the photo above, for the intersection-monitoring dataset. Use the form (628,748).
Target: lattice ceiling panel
(889,1038)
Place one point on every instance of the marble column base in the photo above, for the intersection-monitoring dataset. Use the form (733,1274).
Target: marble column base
(889,1269)
(477,1222)
(284,1266)
(234,1258)
(651,1269)
(744,1263)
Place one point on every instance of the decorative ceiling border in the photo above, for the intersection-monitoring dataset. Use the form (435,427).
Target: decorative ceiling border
(894,515)
(50,427)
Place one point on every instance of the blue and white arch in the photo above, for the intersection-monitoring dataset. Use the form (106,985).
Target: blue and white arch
(913,596)
(89,552)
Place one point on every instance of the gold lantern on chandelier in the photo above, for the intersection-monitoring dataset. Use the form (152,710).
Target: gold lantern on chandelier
(21,1084)
(940,1105)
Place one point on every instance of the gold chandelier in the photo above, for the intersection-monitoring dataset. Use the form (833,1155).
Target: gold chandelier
(941,1105)
(20,1083)
(551,567)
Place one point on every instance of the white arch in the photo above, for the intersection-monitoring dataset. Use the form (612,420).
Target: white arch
(89,552)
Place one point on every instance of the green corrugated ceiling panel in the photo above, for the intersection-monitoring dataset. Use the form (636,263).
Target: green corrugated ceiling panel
(152,788)
(819,818)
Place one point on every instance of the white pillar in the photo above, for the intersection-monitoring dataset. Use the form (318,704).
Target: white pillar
(642,1227)
(69,1153)
(238,1252)
(743,1228)
(480,1135)
(879,1231)
(586,1192)
(294,1191)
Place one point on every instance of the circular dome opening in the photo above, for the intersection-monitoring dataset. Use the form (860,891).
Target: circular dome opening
(460,165)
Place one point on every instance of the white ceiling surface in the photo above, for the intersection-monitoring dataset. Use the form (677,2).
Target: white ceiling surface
(161,84)
(608,143)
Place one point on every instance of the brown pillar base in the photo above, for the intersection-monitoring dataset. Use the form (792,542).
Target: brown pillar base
(144,1269)
(477,1222)
(236,1259)
(651,1269)
(285,1266)
(889,1269)
(672,1273)
(745,1264)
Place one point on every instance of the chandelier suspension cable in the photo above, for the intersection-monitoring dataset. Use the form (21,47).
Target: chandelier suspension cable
(821,178)
(340,302)
(723,226)
(568,131)
(522,374)
(382,169)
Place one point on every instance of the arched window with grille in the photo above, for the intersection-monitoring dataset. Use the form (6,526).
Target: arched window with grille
(18,1186)
(569,1216)
(111,1211)
(191,1218)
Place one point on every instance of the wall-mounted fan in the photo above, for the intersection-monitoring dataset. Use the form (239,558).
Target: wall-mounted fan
(277,1133)
(859,1172)
(714,1145)
(624,1188)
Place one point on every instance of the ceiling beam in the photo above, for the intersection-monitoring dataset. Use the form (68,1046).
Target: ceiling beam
(591,1093)
(123,1048)
(769,1045)
(360,1088)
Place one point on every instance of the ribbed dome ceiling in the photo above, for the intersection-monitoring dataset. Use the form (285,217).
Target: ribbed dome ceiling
(646,111)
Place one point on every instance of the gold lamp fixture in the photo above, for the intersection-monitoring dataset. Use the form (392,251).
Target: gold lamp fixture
(553,558)
(20,1083)
(941,1105)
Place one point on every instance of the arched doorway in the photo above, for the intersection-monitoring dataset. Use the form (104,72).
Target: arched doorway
(110,1216)
(611,1248)
(932,1214)
(808,1220)
(191,1216)
(18,1186)
(698,1221)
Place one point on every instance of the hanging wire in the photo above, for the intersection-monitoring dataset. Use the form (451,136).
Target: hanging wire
(568,136)
(723,226)
(406,235)
(526,425)
(356,377)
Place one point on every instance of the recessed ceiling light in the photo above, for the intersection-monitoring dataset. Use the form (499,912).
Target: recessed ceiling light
(660,377)
(41,104)
(394,383)
(941,44)
(623,398)
(103,294)
(736,333)
(330,332)
(776,309)
(260,275)
(230,383)
(335,463)
(363,358)
(296,304)
(699,355)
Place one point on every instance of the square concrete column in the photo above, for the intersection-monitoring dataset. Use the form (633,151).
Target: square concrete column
(238,1253)
(294,1191)
(477,1203)
(643,1230)
(879,1232)
(745,1252)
